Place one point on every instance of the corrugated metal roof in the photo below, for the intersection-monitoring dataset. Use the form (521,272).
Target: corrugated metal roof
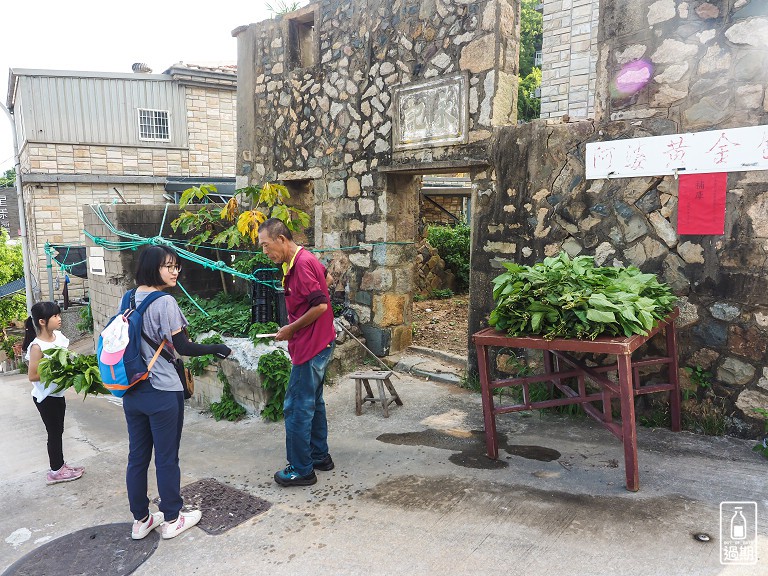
(206,68)
(97,108)
(15,73)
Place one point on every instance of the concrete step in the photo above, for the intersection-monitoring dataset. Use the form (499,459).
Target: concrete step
(457,360)
(429,368)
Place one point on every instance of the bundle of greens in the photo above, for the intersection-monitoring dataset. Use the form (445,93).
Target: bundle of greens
(563,297)
(64,369)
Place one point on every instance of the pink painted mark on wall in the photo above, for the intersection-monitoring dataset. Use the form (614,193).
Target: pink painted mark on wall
(633,76)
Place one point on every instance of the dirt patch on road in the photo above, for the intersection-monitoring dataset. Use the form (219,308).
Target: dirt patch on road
(442,324)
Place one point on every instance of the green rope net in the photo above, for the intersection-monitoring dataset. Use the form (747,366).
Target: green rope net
(134,241)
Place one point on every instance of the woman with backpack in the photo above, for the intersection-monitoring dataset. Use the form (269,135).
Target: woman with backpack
(154,407)
(42,333)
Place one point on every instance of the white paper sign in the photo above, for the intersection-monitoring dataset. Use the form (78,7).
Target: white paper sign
(730,150)
(96,265)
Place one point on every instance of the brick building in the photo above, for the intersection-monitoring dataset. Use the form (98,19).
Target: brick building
(569,58)
(95,137)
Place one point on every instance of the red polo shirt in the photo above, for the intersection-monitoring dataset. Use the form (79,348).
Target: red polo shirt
(305,287)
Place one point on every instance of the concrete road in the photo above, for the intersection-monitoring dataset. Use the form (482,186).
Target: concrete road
(411,494)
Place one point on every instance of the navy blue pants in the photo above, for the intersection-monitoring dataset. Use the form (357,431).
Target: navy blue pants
(155,419)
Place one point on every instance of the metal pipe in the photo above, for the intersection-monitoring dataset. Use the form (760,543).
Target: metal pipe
(22,212)
(340,325)
(49,266)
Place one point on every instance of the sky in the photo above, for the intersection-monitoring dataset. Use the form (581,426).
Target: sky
(97,36)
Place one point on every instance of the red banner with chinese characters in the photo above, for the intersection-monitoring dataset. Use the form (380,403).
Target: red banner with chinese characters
(701,203)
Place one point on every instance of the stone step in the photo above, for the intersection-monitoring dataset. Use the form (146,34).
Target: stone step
(429,368)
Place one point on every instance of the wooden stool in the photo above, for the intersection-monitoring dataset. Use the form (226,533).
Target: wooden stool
(382,379)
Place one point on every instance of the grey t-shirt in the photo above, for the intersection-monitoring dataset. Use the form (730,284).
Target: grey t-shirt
(161,320)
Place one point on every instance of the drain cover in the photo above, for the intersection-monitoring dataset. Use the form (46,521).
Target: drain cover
(107,549)
(223,507)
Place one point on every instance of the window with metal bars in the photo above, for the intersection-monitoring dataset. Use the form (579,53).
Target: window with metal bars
(154,125)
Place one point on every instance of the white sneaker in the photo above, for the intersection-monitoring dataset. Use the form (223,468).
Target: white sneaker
(141,529)
(185,521)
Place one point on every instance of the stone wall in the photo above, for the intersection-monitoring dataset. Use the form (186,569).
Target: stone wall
(69,320)
(706,66)
(331,120)
(431,273)
(707,62)
(569,51)
(211,125)
(114,160)
(545,205)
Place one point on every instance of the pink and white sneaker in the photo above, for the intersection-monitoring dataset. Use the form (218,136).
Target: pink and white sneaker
(141,529)
(185,521)
(63,474)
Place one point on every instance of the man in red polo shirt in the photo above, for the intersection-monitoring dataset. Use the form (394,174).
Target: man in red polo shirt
(311,338)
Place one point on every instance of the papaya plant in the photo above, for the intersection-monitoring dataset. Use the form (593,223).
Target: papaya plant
(236,223)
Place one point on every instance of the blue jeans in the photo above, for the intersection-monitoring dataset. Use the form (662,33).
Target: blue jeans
(155,419)
(306,428)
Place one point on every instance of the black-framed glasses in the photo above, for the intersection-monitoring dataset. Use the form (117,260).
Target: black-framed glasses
(172,267)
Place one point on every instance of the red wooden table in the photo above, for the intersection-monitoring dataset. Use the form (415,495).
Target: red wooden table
(555,353)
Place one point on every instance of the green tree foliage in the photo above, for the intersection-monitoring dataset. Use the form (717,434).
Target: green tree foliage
(531,36)
(11,262)
(11,268)
(528,105)
(452,244)
(8,179)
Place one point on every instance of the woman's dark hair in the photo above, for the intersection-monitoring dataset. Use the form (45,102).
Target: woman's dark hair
(150,261)
(40,311)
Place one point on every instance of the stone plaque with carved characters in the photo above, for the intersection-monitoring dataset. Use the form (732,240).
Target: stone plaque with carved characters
(431,113)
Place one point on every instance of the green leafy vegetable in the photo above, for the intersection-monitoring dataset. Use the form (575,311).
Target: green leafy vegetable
(563,297)
(64,369)
(275,370)
(227,408)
